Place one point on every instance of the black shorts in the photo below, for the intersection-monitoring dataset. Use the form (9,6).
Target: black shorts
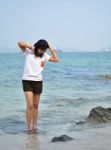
(34,86)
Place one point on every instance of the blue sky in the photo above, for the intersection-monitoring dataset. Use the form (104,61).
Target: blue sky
(80,24)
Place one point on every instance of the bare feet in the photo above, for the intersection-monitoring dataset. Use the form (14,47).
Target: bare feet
(29,131)
(35,131)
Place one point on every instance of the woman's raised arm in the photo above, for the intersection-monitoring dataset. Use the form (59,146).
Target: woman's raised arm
(24,45)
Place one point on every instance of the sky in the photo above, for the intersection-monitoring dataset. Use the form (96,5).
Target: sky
(78,24)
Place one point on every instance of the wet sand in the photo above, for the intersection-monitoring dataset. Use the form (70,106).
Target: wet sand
(93,139)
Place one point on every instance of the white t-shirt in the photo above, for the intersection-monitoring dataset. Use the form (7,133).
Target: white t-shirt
(33,68)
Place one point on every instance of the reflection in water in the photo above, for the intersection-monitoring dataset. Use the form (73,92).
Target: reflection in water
(32,142)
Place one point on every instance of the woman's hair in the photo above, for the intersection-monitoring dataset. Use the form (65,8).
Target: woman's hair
(41,44)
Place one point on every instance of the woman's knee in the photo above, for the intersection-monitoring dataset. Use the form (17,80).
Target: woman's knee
(35,105)
(30,107)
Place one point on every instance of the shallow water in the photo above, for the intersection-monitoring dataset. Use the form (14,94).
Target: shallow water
(71,88)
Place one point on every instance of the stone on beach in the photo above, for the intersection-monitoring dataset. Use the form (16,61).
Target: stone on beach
(100,115)
(62,138)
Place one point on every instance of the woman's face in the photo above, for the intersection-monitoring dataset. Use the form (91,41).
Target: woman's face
(41,52)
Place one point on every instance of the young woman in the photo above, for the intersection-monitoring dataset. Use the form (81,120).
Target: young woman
(36,57)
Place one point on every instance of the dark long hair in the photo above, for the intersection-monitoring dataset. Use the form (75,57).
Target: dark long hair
(41,44)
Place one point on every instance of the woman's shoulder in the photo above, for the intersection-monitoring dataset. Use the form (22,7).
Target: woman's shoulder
(46,57)
(46,54)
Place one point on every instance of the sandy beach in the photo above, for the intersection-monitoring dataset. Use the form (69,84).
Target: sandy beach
(93,139)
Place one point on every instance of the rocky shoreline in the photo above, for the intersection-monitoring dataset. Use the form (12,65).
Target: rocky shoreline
(98,115)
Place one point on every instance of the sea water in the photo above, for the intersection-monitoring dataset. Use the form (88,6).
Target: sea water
(72,87)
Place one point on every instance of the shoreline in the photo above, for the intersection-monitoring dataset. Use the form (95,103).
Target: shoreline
(91,139)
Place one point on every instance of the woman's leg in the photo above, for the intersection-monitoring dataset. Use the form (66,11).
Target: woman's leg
(29,109)
(36,98)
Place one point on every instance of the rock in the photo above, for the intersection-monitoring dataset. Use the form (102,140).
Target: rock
(62,138)
(100,115)
(105,77)
(80,122)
